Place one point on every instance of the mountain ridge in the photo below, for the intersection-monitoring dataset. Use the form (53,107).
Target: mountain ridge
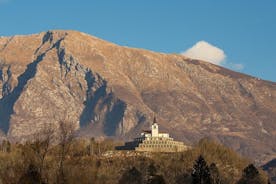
(110,90)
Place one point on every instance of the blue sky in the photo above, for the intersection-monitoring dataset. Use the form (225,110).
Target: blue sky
(241,32)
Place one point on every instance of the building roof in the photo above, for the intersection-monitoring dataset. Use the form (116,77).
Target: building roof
(147,131)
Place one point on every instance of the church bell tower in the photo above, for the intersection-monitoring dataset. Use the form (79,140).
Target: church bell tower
(154,128)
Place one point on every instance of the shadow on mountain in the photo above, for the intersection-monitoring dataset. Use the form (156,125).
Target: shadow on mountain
(271,163)
(92,99)
(8,101)
(114,117)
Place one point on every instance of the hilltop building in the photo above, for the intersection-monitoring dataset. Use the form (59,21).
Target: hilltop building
(154,141)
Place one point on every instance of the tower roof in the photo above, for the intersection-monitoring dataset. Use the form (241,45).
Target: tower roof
(154,120)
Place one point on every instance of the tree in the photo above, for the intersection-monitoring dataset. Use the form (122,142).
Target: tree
(157,179)
(6,146)
(152,176)
(91,146)
(32,175)
(34,153)
(65,139)
(201,172)
(214,172)
(131,176)
(251,175)
(151,170)
(41,146)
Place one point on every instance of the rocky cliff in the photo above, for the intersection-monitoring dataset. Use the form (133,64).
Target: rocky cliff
(110,90)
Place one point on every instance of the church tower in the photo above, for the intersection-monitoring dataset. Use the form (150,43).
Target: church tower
(154,128)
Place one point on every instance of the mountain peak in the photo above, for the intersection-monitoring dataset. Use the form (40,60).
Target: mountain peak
(110,90)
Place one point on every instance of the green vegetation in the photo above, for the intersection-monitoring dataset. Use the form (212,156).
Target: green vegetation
(251,175)
(201,173)
(72,161)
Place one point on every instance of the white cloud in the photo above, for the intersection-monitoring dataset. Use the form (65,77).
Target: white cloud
(205,51)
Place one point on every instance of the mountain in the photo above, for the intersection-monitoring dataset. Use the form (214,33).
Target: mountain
(270,168)
(110,90)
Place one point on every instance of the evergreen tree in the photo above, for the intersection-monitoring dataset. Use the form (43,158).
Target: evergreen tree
(151,170)
(32,176)
(214,172)
(152,176)
(250,175)
(91,146)
(201,172)
(8,148)
(156,179)
(131,176)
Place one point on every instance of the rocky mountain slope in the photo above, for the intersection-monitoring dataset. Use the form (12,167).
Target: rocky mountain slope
(270,168)
(111,90)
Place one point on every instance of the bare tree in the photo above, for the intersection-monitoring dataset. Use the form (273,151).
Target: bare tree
(66,135)
(5,146)
(41,146)
(35,151)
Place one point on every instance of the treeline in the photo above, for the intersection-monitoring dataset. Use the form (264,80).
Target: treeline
(62,159)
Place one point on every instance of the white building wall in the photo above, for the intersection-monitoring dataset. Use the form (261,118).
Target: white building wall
(154,130)
(164,135)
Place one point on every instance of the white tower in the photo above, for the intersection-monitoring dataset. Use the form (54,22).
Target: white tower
(154,128)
